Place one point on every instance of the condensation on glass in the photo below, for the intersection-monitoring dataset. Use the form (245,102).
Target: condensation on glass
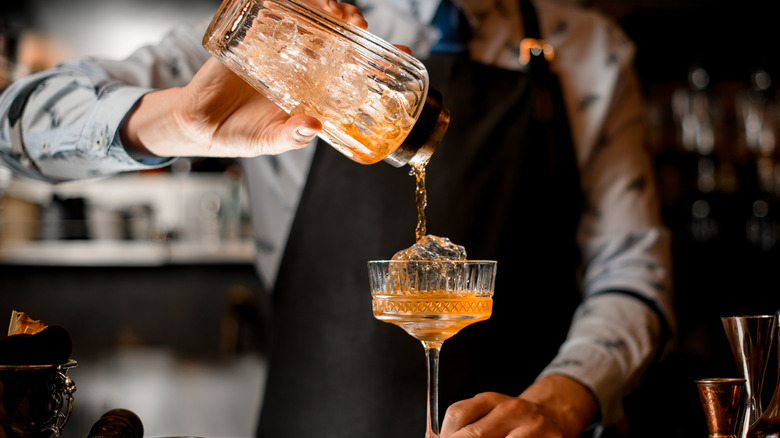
(374,100)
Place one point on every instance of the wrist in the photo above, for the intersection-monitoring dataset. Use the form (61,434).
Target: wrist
(569,403)
(147,128)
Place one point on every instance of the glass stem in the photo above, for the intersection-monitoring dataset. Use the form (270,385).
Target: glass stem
(432,350)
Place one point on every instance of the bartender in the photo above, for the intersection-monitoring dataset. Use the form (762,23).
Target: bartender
(543,169)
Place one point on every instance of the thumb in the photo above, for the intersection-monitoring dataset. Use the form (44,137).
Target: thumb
(298,131)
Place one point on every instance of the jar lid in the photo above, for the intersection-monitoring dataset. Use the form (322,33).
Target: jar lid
(425,136)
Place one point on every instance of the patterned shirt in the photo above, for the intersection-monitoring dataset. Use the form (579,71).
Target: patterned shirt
(61,125)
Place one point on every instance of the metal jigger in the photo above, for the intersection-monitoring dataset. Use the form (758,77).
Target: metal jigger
(721,400)
(750,338)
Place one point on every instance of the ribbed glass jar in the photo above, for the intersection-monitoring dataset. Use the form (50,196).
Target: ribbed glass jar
(368,94)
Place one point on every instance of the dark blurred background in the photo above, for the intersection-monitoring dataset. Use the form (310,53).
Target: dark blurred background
(709,71)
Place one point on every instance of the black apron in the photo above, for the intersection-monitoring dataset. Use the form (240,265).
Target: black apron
(504,184)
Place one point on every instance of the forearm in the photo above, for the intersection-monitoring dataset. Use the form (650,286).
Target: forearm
(63,125)
(69,121)
(612,341)
(626,319)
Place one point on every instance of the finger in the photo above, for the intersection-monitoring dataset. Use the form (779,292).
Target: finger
(513,418)
(331,6)
(511,413)
(495,424)
(404,49)
(466,412)
(535,427)
(269,135)
(353,15)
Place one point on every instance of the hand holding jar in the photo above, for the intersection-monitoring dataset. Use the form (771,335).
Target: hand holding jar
(373,99)
(219,114)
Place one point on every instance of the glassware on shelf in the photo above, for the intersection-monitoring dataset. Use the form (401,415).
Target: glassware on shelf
(768,424)
(695,114)
(750,339)
(756,112)
(432,301)
(373,99)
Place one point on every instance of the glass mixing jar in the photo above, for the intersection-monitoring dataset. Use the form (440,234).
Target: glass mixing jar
(373,99)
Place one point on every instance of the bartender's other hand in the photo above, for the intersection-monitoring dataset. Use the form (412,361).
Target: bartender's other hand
(345,11)
(555,406)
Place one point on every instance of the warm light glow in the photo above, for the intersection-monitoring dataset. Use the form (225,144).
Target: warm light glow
(535,46)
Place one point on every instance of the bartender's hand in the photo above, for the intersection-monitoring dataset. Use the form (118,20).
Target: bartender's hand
(219,114)
(555,406)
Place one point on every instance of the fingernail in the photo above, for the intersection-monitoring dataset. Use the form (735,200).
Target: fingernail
(333,4)
(305,134)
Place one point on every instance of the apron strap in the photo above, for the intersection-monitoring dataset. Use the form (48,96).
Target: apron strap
(537,54)
(534,51)
(530,20)
(549,110)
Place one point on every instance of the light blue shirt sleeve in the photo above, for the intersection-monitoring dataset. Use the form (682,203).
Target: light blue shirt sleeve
(62,124)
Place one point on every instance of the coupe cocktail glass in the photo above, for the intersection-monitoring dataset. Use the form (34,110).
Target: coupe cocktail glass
(432,300)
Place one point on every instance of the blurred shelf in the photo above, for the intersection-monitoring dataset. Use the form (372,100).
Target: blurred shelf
(125,253)
(133,219)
